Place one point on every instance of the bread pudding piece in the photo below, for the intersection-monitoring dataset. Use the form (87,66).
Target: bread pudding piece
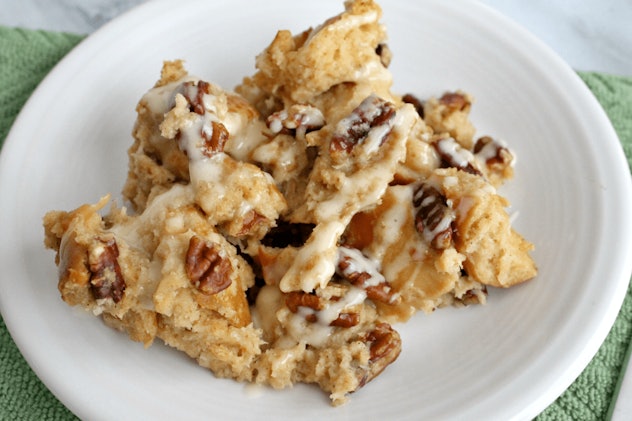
(277,232)
(163,274)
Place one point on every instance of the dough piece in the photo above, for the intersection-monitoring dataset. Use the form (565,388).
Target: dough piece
(297,68)
(451,114)
(495,254)
(331,336)
(191,131)
(426,278)
(350,175)
(145,276)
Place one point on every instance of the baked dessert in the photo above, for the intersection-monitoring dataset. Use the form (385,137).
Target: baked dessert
(277,233)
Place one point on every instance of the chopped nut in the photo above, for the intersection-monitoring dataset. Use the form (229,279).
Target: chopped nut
(296,120)
(454,101)
(416,102)
(205,268)
(433,216)
(296,299)
(385,54)
(356,128)
(194,94)
(346,320)
(214,139)
(454,155)
(362,272)
(106,280)
(381,292)
(384,342)
(251,220)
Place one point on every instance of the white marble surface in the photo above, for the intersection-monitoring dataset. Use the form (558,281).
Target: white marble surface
(592,35)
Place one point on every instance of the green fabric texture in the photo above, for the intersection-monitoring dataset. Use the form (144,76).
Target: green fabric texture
(27,56)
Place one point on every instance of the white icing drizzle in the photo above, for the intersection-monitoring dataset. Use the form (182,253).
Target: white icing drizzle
(360,121)
(365,187)
(373,72)
(391,223)
(359,263)
(316,333)
(210,172)
(162,98)
(245,136)
(315,262)
(450,147)
(298,117)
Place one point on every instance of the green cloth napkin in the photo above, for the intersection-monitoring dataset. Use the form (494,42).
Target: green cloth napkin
(27,56)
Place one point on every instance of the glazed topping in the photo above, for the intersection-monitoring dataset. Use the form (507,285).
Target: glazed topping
(313,320)
(195,93)
(433,216)
(363,272)
(314,264)
(454,155)
(298,120)
(202,125)
(416,102)
(368,125)
(206,135)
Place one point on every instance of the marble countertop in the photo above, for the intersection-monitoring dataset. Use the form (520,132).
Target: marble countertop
(591,35)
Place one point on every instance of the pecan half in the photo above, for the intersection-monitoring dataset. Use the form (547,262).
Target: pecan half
(433,216)
(354,129)
(454,155)
(384,341)
(106,280)
(215,138)
(385,347)
(296,299)
(205,268)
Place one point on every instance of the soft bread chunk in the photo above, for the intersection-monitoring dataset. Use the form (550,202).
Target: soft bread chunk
(495,254)
(295,69)
(133,271)
(424,277)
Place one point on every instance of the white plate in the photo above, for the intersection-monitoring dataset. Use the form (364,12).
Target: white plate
(508,359)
